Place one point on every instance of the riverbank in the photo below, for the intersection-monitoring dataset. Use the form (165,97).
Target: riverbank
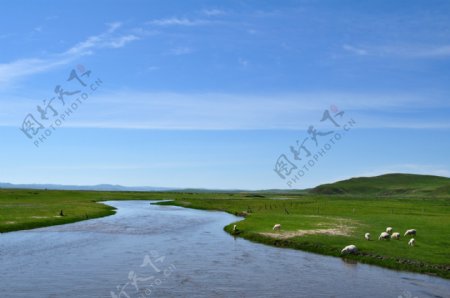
(325,225)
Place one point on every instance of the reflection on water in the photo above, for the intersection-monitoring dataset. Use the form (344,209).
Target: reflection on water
(135,248)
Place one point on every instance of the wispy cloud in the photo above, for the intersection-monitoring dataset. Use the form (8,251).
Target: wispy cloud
(177,22)
(422,51)
(180,51)
(9,72)
(38,29)
(20,68)
(113,26)
(243,62)
(51,18)
(405,51)
(153,68)
(216,111)
(104,40)
(355,50)
(213,12)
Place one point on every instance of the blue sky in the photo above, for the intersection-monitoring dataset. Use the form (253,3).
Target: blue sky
(211,93)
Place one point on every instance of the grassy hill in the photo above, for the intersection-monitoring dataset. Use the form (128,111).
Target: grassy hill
(388,185)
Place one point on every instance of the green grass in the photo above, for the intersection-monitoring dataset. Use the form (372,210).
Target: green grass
(28,209)
(357,212)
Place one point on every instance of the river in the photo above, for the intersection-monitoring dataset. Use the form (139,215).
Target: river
(147,250)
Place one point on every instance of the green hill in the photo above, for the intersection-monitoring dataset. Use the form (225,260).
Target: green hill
(387,185)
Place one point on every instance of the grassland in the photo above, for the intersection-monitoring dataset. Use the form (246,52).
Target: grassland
(314,221)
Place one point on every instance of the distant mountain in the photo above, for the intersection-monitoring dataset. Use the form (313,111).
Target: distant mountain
(384,185)
(99,187)
(389,184)
(110,187)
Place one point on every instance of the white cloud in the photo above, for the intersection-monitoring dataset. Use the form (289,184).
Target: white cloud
(177,22)
(20,68)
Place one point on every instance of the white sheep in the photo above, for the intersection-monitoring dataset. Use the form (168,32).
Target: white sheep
(384,236)
(395,235)
(389,230)
(277,227)
(412,242)
(367,236)
(349,249)
(410,232)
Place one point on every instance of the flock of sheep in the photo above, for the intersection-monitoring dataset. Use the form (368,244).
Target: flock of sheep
(351,249)
(389,234)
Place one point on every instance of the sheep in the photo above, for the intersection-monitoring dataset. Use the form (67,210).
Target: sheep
(235,230)
(367,236)
(389,230)
(395,235)
(277,227)
(384,236)
(410,232)
(349,249)
(412,242)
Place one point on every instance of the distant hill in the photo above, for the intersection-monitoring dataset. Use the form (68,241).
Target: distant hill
(99,187)
(384,185)
(389,184)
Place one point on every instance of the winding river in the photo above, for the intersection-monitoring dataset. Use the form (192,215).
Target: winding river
(147,250)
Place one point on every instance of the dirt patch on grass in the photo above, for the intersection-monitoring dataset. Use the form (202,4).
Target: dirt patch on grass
(299,233)
(341,228)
